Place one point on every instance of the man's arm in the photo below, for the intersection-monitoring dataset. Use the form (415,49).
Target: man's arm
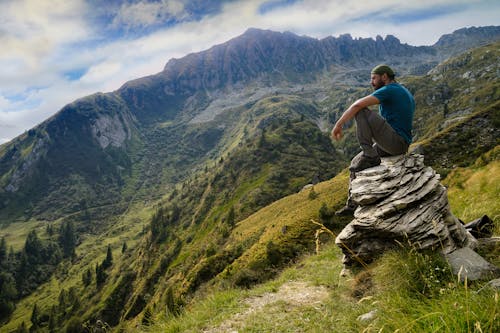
(351,112)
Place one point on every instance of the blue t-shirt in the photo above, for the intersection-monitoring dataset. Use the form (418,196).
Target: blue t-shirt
(397,107)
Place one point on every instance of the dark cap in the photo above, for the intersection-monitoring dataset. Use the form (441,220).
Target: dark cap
(383,69)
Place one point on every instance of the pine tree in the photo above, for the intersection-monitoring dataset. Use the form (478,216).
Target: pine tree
(62,301)
(108,262)
(35,316)
(67,239)
(49,229)
(22,328)
(170,301)
(53,320)
(3,251)
(147,317)
(100,275)
(231,216)
(87,277)
(124,247)
(32,246)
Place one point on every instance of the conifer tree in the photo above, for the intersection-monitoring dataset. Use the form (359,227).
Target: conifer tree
(53,320)
(170,301)
(32,246)
(22,328)
(62,301)
(49,229)
(35,316)
(87,277)
(231,216)
(124,247)
(3,251)
(67,239)
(147,317)
(100,275)
(108,262)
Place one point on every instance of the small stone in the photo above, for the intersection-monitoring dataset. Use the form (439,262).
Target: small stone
(368,316)
(345,272)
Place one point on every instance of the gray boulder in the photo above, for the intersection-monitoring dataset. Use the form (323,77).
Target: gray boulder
(401,201)
(466,263)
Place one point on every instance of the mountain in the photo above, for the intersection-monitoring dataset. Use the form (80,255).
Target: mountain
(173,167)
(116,141)
(465,38)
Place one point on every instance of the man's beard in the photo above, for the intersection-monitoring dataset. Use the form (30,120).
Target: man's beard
(377,86)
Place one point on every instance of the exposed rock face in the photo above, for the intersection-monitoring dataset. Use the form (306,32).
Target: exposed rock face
(25,169)
(110,130)
(402,201)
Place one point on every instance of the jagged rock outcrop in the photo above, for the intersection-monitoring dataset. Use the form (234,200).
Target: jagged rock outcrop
(400,201)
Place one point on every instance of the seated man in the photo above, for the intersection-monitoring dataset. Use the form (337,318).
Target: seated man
(379,135)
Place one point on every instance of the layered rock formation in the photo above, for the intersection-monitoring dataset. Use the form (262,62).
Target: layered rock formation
(400,201)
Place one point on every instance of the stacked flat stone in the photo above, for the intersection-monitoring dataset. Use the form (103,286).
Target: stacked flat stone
(401,201)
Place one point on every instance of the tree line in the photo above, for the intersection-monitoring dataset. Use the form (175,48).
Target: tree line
(23,271)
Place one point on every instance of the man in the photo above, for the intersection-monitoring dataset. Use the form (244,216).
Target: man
(387,134)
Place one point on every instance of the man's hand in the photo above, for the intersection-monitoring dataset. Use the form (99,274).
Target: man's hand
(337,131)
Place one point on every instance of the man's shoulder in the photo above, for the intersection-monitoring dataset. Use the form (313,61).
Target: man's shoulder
(394,87)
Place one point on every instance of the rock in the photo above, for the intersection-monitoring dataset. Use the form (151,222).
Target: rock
(468,264)
(488,245)
(495,284)
(481,228)
(307,186)
(400,201)
(368,316)
(110,130)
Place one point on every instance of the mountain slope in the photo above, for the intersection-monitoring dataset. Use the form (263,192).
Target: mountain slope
(132,135)
(179,177)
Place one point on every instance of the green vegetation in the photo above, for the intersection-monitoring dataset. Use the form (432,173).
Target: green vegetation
(473,191)
(410,291)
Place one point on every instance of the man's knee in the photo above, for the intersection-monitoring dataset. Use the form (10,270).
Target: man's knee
(362,113)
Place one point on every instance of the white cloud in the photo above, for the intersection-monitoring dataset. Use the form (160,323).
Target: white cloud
(44,40)
(102,72)
(145,13)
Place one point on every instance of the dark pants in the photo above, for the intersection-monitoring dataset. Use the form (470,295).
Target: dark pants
(376,138)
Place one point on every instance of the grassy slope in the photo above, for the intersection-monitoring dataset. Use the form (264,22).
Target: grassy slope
(411,292)
(472,191)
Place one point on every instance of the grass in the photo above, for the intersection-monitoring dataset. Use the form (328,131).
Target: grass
(15,233)
(474,192)
(403,287)
(418,293)
(411,291)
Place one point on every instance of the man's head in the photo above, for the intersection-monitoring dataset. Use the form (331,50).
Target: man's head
(381,75)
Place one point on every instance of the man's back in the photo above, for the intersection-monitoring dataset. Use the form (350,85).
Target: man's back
(397,106)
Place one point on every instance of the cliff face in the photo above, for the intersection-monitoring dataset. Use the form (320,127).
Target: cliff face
(400,202)
(465,38)
(259,52)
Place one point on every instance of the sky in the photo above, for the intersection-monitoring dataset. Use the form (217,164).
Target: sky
(53,52)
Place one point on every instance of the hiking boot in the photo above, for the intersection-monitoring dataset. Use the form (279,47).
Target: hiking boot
(364,162)
(347,210)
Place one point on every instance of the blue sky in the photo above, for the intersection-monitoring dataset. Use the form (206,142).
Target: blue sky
(55,51)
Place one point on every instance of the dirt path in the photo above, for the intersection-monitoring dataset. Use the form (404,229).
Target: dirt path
(294,293)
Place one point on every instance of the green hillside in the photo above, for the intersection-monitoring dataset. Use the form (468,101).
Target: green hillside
(412,292)
(182,225)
